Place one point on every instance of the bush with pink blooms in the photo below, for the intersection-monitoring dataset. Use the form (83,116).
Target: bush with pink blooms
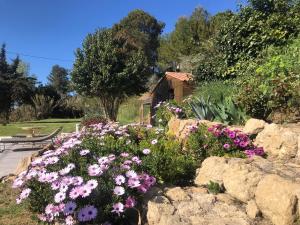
(98,175)
(220,140)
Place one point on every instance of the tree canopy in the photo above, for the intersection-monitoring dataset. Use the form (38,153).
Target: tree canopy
(105,70)
(59,80)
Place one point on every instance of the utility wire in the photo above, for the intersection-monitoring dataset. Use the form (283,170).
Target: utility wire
(39,57)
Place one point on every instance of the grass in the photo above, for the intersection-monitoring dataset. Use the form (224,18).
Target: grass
(48,126)
(129,111)
(10,212)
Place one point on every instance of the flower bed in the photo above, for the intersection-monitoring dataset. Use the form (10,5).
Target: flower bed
(96,176)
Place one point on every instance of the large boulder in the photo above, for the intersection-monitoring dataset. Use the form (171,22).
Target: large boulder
(278,141)
(198,209)
(254,126)
(271,188)
(277,199)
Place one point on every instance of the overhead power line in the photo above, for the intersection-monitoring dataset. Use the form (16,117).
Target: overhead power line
(39,57)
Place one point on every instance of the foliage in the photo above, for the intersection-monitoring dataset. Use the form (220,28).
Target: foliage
(165,111)
(43,106)
(214,188)
(88,121)
(272,82)
(103,169)
(22,113)
(140,31)
(102,69)
(224,110)
(256,26)
(220,141)
(58,79)
(15,87)
(129,111)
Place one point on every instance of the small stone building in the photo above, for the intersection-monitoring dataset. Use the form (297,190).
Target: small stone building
(174,85)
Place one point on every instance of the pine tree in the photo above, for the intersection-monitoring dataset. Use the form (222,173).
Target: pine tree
(59,80)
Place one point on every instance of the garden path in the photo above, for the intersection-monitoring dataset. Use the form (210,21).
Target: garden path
(10,159)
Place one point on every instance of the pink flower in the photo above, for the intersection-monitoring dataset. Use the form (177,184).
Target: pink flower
(146,151)
(133,182)
(92,184)
(94,170)
(69,220)
(118,190)
(118,208)
(131,174)
(226,146)
(75,192)
(85,191)
(120,179)
(59,197)
(153,142)
(25,193)
(84,152)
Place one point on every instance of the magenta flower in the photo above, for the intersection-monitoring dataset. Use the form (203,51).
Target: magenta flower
(130,202)
(226,146)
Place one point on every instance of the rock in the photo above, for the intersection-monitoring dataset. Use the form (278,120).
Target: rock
(212,169)
(200,209)
(254,126)
(278,141)
(177,194)
(24,163)
(277,199)
(252,209)
(240,180)
(180,128)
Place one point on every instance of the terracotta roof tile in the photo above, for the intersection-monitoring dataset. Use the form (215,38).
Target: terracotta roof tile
(180,76)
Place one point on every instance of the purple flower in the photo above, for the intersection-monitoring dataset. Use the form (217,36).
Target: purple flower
(243,144)
(118,190)
(69,208)
(118,208)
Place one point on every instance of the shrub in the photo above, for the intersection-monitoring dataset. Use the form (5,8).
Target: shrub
(271,83)
(219,140)
(88,121)
(214,188)
(224,110)
(101,173)
(166,110)
(22,113)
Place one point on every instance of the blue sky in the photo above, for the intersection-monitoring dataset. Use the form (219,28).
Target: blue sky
(55,28)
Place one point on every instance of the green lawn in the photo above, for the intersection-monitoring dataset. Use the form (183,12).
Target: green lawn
(49,125)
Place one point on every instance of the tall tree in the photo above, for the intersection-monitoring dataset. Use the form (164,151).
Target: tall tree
(139,31)
(15,87)
(58,78)
(104,69)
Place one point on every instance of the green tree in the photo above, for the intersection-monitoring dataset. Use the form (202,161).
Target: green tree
(139,31)
(256,26)
(15,87)
(58,78)
(104,69)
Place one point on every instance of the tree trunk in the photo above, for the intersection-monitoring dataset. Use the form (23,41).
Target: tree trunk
(111,106)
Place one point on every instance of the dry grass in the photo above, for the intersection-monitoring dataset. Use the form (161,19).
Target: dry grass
(10,212)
